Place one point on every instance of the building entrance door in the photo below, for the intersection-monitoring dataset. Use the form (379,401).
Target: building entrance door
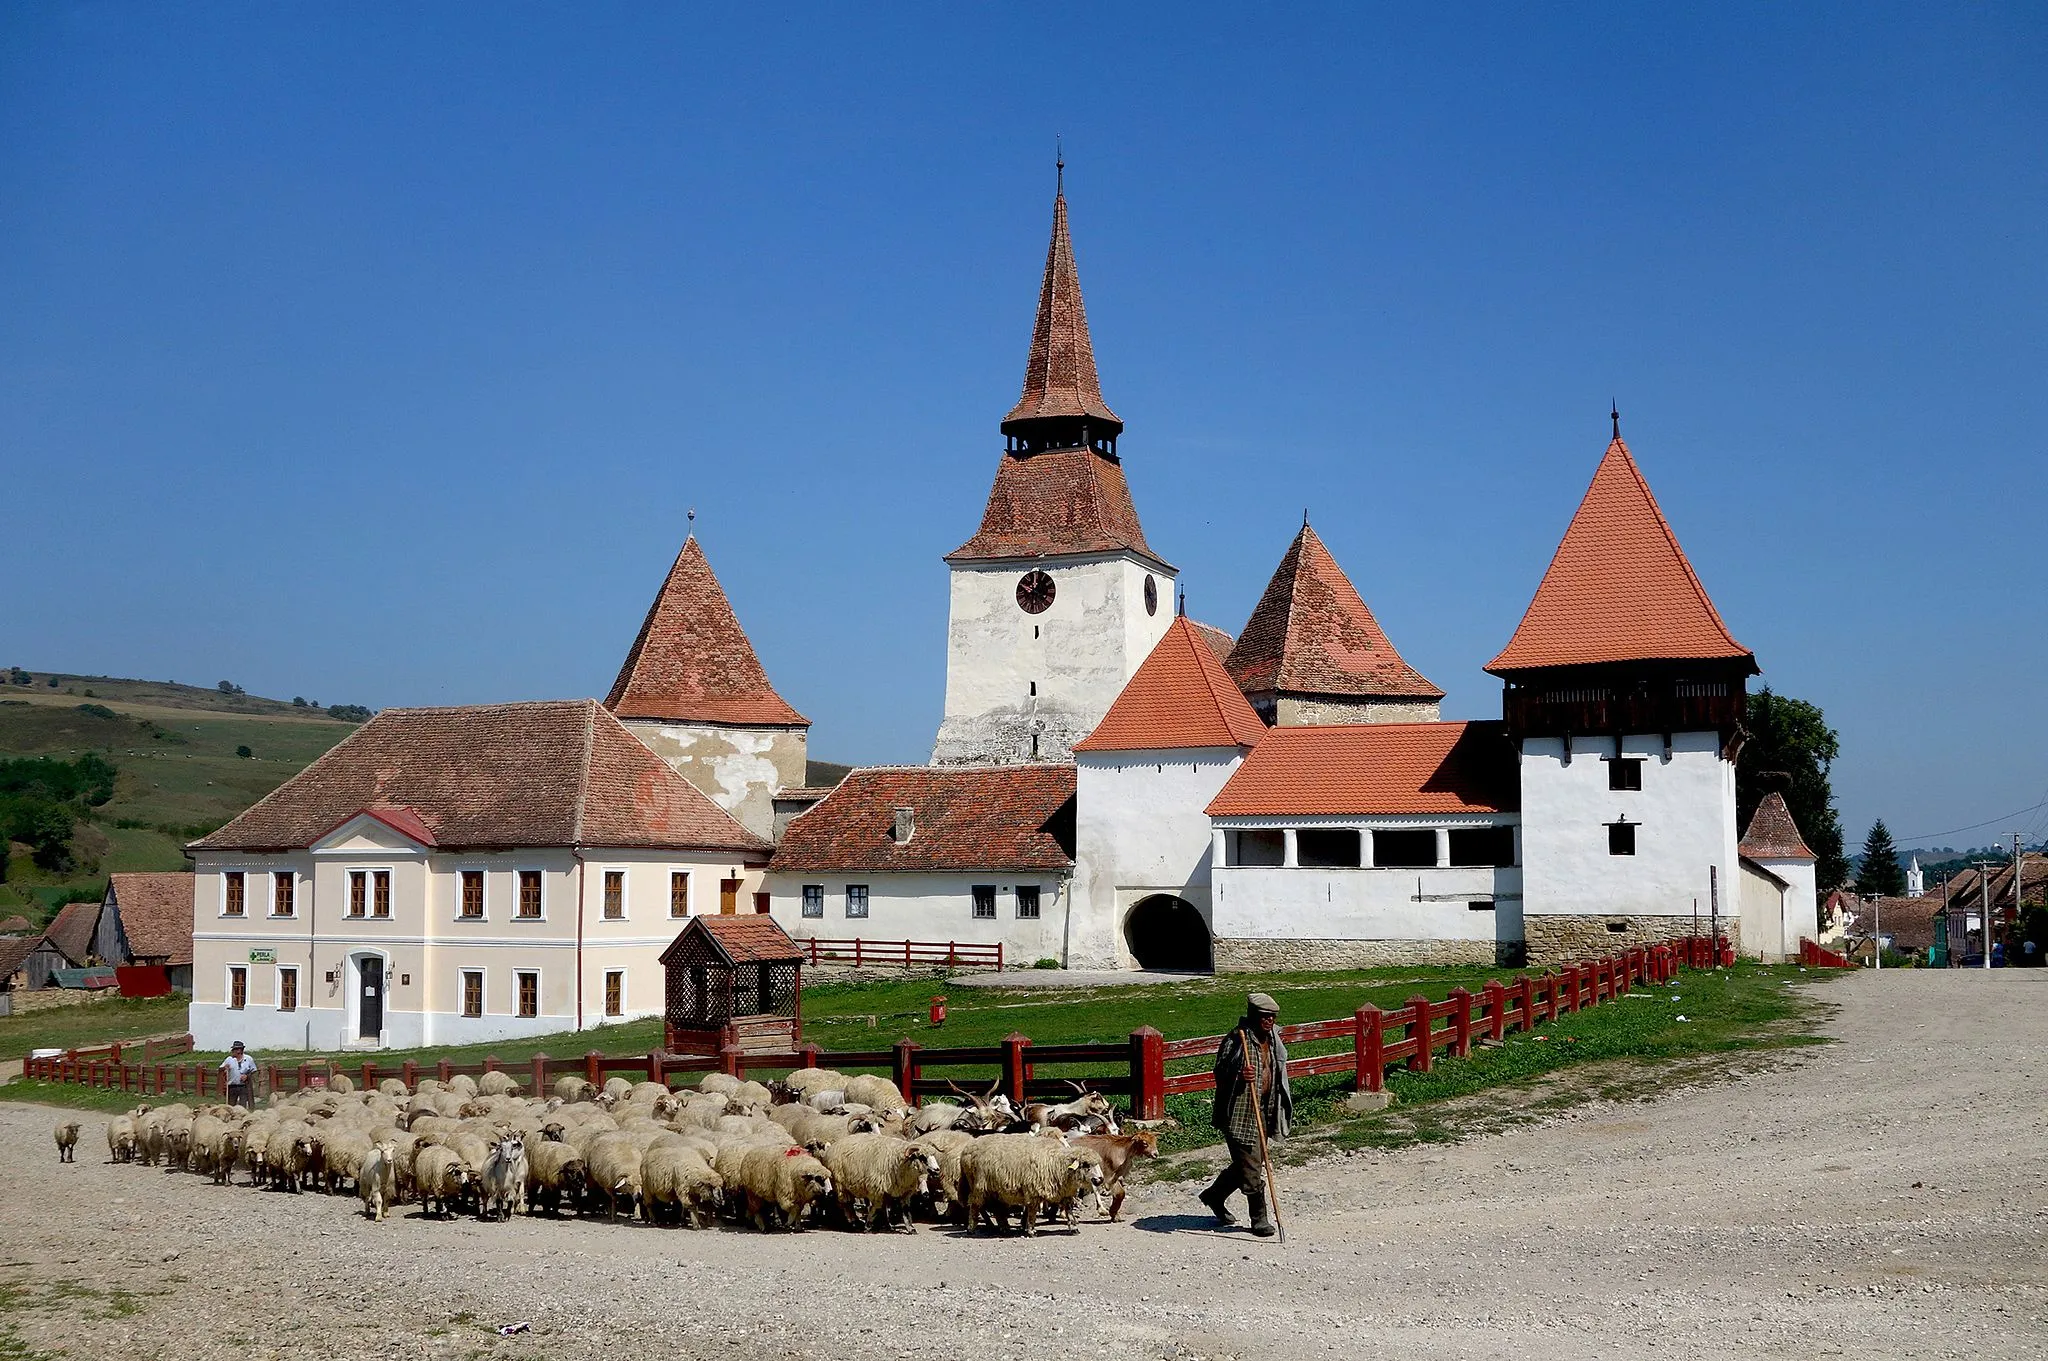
(1168,933)
(371,970)
(729,897)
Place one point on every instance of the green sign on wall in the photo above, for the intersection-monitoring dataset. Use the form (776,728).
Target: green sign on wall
(263,956)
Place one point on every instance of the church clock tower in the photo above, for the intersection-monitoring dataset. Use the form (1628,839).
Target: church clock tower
(1058,598)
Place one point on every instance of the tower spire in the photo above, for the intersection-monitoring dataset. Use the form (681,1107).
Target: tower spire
(1061,406)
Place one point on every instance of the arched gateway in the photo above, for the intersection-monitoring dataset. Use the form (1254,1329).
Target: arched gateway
(1168,933)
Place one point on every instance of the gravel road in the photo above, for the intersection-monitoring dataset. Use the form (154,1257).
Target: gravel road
(1776,1215)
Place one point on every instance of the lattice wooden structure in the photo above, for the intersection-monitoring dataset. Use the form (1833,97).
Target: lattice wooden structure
(733,980)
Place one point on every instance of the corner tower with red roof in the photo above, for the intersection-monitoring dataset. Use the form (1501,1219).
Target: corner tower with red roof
(1057,598)
(693,689)
(1624,700)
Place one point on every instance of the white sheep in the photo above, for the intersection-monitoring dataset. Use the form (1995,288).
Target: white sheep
(875,1174)
(462,1086)
(946,1145)
(392,1088)
(377,1179)
(779,1184)
(497,1083)
(618,1089)
(1023,1172)
(442,1180)
(675,1179)
(878,1092)
(614,1163)
(554,1171)
(67,1141)
(573,1089)
(122,1145)
(717,1084)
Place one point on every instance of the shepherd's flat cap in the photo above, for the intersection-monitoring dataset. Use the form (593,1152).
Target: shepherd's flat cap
(1259,1001)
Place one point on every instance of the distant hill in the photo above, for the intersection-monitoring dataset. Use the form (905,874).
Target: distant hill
(175,748)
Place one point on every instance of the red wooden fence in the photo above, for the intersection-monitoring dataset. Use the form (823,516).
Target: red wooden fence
(903,954)
(1409,1036)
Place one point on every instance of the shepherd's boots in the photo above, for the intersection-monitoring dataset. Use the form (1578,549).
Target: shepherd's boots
(1217,1197)
(1262,1222)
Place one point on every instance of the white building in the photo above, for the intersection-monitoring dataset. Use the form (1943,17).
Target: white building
(452,876)
(1779,905)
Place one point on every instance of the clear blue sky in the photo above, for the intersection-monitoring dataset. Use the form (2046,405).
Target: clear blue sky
(374,355)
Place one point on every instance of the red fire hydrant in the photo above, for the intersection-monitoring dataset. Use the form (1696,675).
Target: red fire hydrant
(938,1011)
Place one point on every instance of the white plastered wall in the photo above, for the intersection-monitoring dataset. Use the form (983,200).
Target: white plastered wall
(933,906)
(1140,831)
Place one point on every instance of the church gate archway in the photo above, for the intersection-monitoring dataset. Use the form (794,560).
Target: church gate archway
(1168,933)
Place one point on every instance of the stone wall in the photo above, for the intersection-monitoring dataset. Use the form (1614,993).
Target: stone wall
(1292,956)
(739,768)
(1296,711)
(45,999)
(1558,939)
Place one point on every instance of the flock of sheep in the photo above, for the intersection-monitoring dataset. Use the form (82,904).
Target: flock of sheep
(814,1148)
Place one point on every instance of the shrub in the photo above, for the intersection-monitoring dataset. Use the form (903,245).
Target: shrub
(244,753)
(97,710)
(1046,964)
(349,713)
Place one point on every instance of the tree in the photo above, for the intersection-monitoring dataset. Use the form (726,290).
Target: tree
(1880,873)
(1791,748)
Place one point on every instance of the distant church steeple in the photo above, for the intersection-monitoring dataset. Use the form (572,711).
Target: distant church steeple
(1916,882)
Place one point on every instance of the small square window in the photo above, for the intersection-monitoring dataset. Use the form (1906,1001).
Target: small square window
(856,900)
(232,889)
(1027,902)
(529,895)
(472,992)
(473,895)
(528,1000)
(1625,772)
(984,902)
(1621,838)
(814,900)
(679,893)
(614,895)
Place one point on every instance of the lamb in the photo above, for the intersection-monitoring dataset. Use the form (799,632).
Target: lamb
(614,1162)
(1118,1152)
(875,1174)
(552,1172)
(442,1179)
(289,1155)
(121,1139)
(377,1179)
(228,1152)
(503,1185)
(780,1183)
(1004,1172)
(495,1083)
(675,1178)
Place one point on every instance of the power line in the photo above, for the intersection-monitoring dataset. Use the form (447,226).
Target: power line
(1927,836)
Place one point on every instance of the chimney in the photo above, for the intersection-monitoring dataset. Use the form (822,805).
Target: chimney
(906,825)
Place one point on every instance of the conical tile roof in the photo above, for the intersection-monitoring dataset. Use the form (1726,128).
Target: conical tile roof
(1059,376)
(692,661)
(1772,834)
(1180,696)
(1312,634)
(1619,588)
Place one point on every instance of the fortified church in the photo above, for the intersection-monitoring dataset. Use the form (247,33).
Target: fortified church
(1112,785)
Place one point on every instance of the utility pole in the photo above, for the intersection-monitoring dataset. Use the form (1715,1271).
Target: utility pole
(1984,905)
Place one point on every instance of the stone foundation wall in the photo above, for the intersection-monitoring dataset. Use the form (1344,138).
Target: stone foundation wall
(1559,939)
(25,1000)
(1289,956)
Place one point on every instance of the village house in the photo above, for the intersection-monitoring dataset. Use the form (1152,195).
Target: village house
(451,876)
(146,919)
(1779,905)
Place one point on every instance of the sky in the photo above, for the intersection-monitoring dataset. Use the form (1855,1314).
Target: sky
(375,354)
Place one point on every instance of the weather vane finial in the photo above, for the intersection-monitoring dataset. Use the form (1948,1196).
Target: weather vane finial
(1614,413)
(693,519)
(1059,164)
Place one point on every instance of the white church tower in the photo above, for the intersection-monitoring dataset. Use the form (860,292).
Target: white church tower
(1058,598)
(1916,880)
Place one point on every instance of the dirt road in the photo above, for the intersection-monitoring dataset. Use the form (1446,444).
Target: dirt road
(1773,1216)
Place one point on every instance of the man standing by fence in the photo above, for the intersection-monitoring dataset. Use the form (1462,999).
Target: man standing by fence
(238,1071)
(1251,1066)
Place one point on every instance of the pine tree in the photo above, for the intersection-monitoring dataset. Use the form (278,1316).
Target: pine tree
(1880,873)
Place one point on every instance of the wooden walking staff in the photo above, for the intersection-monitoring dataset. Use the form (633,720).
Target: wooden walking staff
(1259,1122)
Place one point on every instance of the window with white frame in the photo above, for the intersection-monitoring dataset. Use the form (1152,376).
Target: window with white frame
(380,894)
(679,893)
(614,895)
(526,992)
(283,884)
(814,900)
(233,890)
(615,992)
(856,900)
(984,902)
(287,987)
(471,902)
(238,987)
(472,992)
(1027,902)
(529,895)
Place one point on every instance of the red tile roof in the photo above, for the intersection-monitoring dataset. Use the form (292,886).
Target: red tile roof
(1179,696)
(15,925)
(14,952)
(72,930)
(1772,834)
(156,915)
(966,817)
(555,773)
(1059,377)
(751,939)
(401,820)
(1063,502)
(692,661)
(1312,634)
(1219,641)
(1374,768)
(1619,588)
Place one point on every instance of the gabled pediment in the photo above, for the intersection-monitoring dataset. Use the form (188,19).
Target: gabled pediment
(394,829)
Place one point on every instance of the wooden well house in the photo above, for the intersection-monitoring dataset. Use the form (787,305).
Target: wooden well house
(733,979)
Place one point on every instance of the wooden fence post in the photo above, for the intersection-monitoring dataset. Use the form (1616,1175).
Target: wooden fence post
(593,1068)
(1369,1048)
(731,1058)
(1461,1018)
(490,1063)
(539,1064)
(1148,1074)
(1496,1010)
(1016,1065)
(444,1070)
(1418,1031)
(905,1069)
(807,1054)
(655,1072)
(1528,1002)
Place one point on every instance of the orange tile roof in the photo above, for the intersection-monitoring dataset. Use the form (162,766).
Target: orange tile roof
(155,911)
(1059,376)
(1374,768)
(692,660)
(1312,634)
(555,773)
(966,818)
(1065,501)
(1772,834)
(1218,640)
(1180,696)
(743,939)
(1619,588)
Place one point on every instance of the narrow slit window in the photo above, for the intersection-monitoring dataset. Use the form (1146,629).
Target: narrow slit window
(238,987)
(472,992)
(358,892)
(287,989)
(678,893)
(380,893)
(615,992)
(529,992)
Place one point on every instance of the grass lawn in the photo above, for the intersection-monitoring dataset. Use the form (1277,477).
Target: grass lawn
(91,1025)
(1748,1008)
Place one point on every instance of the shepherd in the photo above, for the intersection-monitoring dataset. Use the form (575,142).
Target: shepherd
(1253,1106)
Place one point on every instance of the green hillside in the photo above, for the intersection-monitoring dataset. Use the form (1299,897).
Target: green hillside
(178,772)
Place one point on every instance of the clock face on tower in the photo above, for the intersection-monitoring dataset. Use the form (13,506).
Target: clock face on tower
(1151,595)
(1034,593)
